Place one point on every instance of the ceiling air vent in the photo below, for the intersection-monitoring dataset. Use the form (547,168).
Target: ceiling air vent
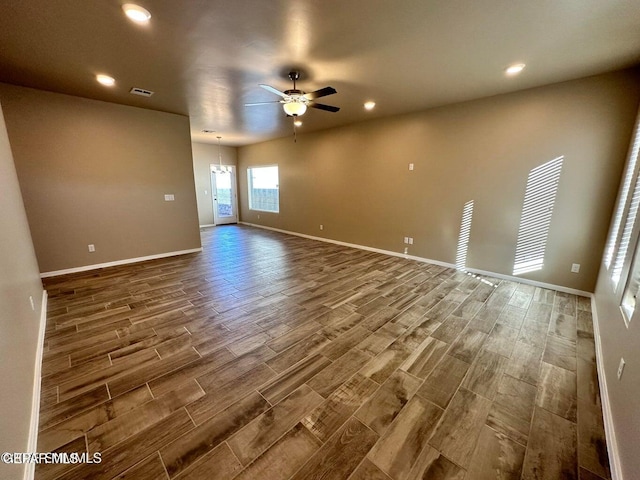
(141,91)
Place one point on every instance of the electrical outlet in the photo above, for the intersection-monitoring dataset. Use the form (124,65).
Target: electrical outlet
(575,268)
(410,240)
(411,166)
(406,250)
(169,197)
(406,240)
(205,192)
(321,227)
(33,305)
(92,247)
(621,368)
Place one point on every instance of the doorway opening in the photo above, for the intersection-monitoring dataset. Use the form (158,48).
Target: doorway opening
(224,196)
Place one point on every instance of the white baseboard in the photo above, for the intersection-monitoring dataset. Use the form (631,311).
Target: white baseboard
(208,225)
(118,262)
(32,444)
(607,415)
(501,276)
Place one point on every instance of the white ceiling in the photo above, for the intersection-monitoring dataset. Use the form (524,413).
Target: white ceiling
(205,58)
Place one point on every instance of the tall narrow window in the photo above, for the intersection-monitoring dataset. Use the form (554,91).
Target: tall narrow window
(626,214)
(263,188)
(539,199)
(463,237)
(623,200)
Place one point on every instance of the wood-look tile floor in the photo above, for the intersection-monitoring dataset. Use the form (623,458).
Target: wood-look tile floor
(269,357)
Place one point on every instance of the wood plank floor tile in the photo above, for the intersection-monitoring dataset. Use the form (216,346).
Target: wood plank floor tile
(557,391)
(287,382)
(46,471)
(123,426)
(423,359)
(431,465)
(468,344)
(442,384)
(325,419)
(381,409)
(458,432)
(149,469)
(219,464)
(592,445)
(552,449)
(258,435)
(485,374)
(512,317)
(512,409)
(560,352)
(338,347)
(501,340)
(340,455)
(142,375)
(187,449)
(223,396)
(68,408)
(198,368)
(399,448)
(496,456)
(233,369)
(304,348)
(330,379)
(368,471)
(381,339)
(450,329)
(525,363)
(283,458)
(126,454)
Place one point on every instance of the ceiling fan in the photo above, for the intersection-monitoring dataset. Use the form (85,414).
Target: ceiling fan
(295,102)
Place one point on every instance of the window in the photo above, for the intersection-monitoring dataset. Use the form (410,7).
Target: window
(626,213)
(632,290)
(539,199)
(463,237)
(263,188)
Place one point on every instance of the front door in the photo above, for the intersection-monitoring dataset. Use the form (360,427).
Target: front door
(223,187)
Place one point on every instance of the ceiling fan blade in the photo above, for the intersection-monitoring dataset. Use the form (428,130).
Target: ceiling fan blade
(328,108)
(260,103)
(273,90)
(323,92)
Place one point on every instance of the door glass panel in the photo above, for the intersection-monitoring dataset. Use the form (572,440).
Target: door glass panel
(223,191)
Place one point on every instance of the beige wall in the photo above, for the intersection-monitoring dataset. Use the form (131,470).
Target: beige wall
(19,324)
(355,179)
(204,155)
(617,342)
(93,172)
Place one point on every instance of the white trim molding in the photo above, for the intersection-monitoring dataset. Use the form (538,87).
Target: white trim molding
(607,414)
(429,260)
(32,444)
(118,262)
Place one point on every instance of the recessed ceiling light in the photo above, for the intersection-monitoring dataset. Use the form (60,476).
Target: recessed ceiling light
(297,123)
(514,69)
(369,105)
(106,80)
(136,13)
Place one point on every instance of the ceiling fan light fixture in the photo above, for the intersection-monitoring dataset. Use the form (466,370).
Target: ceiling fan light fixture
(295,109)
(297,123)
(136,13)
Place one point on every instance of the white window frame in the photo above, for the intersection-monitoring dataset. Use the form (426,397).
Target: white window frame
(621,245)
(250,187)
